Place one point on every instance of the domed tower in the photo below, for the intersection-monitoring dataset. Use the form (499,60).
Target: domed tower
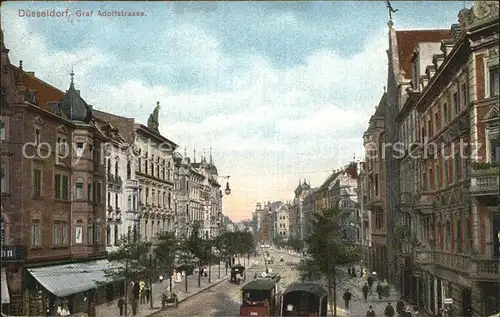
(73,105)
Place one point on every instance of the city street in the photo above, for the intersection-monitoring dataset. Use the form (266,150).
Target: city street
(225,298)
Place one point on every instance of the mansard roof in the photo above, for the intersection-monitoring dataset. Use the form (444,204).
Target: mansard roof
(408,40)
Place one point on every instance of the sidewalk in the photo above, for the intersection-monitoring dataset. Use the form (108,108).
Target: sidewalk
(358,306)
(111,309)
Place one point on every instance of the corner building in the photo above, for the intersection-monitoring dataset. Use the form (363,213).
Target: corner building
(53,197)
(448,123)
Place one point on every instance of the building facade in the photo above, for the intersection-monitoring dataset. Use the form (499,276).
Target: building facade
(446,117)
(282,222)
(53,195)
(154,172)
(373,191)
(122,188)
(297,210)
(400,70)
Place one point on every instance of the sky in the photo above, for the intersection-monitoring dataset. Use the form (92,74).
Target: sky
(281,91)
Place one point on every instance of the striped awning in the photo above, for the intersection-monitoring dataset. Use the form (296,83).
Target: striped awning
(73,278)
(5,288)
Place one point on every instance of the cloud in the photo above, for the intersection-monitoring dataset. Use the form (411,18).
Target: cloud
(279,123)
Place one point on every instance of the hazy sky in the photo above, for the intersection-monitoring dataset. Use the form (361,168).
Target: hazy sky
(281,91)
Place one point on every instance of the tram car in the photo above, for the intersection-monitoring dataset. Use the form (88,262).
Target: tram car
(259,298)
(304,299)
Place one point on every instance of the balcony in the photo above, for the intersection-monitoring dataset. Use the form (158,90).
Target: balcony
(485,269)
(484,179)
(425,204)
(452,261)
(423,257)
(131,183)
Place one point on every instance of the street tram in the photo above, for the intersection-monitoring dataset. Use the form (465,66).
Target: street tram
(259,297)
(304,299)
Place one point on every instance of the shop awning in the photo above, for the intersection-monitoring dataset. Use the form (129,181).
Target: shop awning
(5,288)
(73,278)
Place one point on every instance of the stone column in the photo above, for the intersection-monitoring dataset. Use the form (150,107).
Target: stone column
(475,225)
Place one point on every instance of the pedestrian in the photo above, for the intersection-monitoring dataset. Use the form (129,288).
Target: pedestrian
(147,293)
(389,311)
(400,307)
(379,291)
(353,271)
(349,272)
(142,284)
(365,292)
(121,305)
(370,282)
(347,298)
(370,312)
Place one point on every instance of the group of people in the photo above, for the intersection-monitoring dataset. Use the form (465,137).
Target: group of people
(140,294)
(382,290)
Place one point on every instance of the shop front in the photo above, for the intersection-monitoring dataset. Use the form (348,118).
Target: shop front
(12,259)
(67,288)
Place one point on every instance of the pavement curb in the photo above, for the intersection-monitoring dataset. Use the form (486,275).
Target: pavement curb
(193,294)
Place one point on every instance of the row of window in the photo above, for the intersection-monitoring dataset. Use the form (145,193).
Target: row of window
(161,198)
(153,167)
(61,186)
(60,233)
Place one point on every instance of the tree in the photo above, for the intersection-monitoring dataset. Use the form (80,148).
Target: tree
(165,254)
(129,260)
(326,251)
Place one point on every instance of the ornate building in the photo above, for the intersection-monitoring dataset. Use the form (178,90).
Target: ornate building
(199,197)
(372,191)
(122,188)
(297,211)
(53,195)
(155,174)
(400,69)
(448,125)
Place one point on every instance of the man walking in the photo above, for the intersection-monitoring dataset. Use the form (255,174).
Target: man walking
(389,311)
(365,292)
(379,291)
(370,282)
(347,298)
(121,305)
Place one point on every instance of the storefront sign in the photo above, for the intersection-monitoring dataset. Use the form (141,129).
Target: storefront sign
(13,253)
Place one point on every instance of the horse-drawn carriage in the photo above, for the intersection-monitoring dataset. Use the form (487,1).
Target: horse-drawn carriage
(259,297)
(304,299)
(237,272)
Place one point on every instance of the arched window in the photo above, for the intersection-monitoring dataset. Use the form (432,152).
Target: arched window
(129,170)
(97,230)
(116,169)
(117,236)
(108,235)
(109,166)
(79,188)
(135,233)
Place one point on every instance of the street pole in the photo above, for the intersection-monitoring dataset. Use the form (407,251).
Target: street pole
(199,273)
(151,279)
(126,287)
(218,273)
(186,278)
